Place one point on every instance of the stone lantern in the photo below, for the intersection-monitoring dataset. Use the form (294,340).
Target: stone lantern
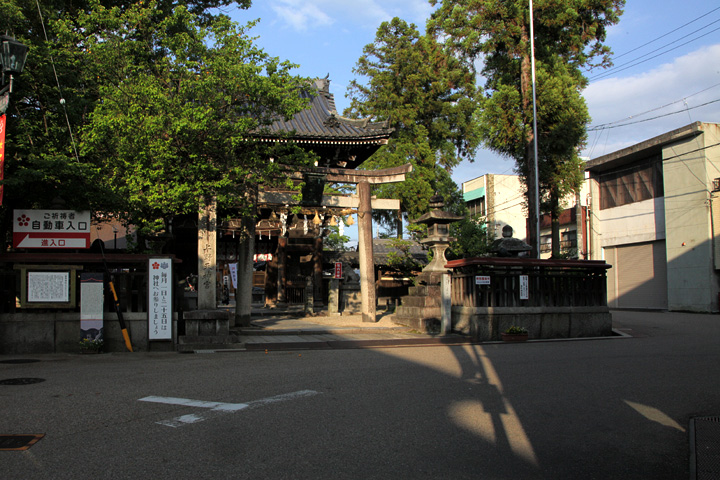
(421,308)
(438,238)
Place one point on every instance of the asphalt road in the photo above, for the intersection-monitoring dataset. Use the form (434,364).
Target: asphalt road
(594,409)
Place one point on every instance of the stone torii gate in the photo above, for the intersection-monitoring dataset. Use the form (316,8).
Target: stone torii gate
(364,204)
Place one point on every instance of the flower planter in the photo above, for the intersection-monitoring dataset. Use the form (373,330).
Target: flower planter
(514,337)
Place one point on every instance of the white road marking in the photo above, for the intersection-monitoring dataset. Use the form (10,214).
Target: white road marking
(215,408)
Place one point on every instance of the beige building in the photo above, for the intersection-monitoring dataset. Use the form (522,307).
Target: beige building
(655,216)
(500,200)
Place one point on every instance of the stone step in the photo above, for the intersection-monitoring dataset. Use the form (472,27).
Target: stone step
(194,347)
(190,343)
(405,311)
(420,302)
(424,291)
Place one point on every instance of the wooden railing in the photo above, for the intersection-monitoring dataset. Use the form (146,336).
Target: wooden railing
(551,283)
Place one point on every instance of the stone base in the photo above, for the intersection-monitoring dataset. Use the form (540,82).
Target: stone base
(421,308)
(351,300)
(205,329)
(560,322)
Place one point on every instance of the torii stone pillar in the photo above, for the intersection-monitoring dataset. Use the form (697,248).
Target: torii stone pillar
(365,250)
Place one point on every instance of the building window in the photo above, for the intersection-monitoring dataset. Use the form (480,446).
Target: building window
(545,243)
(568,240)
(477,206)
(632,184)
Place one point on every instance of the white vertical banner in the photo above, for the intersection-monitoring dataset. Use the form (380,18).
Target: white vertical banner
(160,311)
(524,287)
(233,273)
(91,306)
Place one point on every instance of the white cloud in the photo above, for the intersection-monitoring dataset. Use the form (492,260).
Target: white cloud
(303,15)
(683,86)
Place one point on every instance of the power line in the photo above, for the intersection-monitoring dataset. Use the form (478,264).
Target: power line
(613,71)
(668,33)
(603,125)
(57,80)
(653,118)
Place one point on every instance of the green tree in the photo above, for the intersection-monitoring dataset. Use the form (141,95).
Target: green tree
(568,38)
(429,98)
(471,239)
(51,102)
(179,109)
(334,242)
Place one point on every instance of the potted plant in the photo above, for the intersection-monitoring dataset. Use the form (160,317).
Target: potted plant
(515,334)
(89,345)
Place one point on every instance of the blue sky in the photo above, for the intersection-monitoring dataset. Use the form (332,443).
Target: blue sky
(667,62)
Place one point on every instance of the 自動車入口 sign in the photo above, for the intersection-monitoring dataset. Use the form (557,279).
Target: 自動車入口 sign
(51,229)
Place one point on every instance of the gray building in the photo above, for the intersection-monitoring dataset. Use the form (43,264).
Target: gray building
(655,217)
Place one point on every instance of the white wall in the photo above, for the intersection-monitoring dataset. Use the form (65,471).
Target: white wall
(688,182)
(632,223)
(508,205)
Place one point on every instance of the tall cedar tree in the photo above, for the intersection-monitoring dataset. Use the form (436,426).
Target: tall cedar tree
(568,37)
(429,98)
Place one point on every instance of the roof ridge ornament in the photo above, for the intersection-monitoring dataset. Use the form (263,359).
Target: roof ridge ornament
(332,121)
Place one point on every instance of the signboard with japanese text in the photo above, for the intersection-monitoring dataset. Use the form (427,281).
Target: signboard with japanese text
(233,274)
(160,312)
(48,287)
(524,287)
(482,279)
(338,270)
(91,306)
(51,229)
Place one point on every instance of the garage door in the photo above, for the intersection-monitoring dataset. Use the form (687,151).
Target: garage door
(638,278)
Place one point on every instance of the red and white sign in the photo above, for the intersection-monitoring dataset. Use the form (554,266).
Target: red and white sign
(160,311)
(338,270)
(51,229)
(482,279)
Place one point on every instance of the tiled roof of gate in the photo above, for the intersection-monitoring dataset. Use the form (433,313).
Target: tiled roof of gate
(322,122)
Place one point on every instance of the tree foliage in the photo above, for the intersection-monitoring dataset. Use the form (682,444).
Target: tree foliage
(568,37)
(180,108)
(429,98)
(164,100)
(471,239)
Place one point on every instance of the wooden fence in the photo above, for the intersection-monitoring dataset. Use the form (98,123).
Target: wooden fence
(551,283)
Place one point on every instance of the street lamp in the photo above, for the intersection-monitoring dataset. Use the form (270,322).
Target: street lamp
(12,59)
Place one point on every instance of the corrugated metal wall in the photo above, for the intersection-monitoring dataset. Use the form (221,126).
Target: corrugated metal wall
(638,278)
